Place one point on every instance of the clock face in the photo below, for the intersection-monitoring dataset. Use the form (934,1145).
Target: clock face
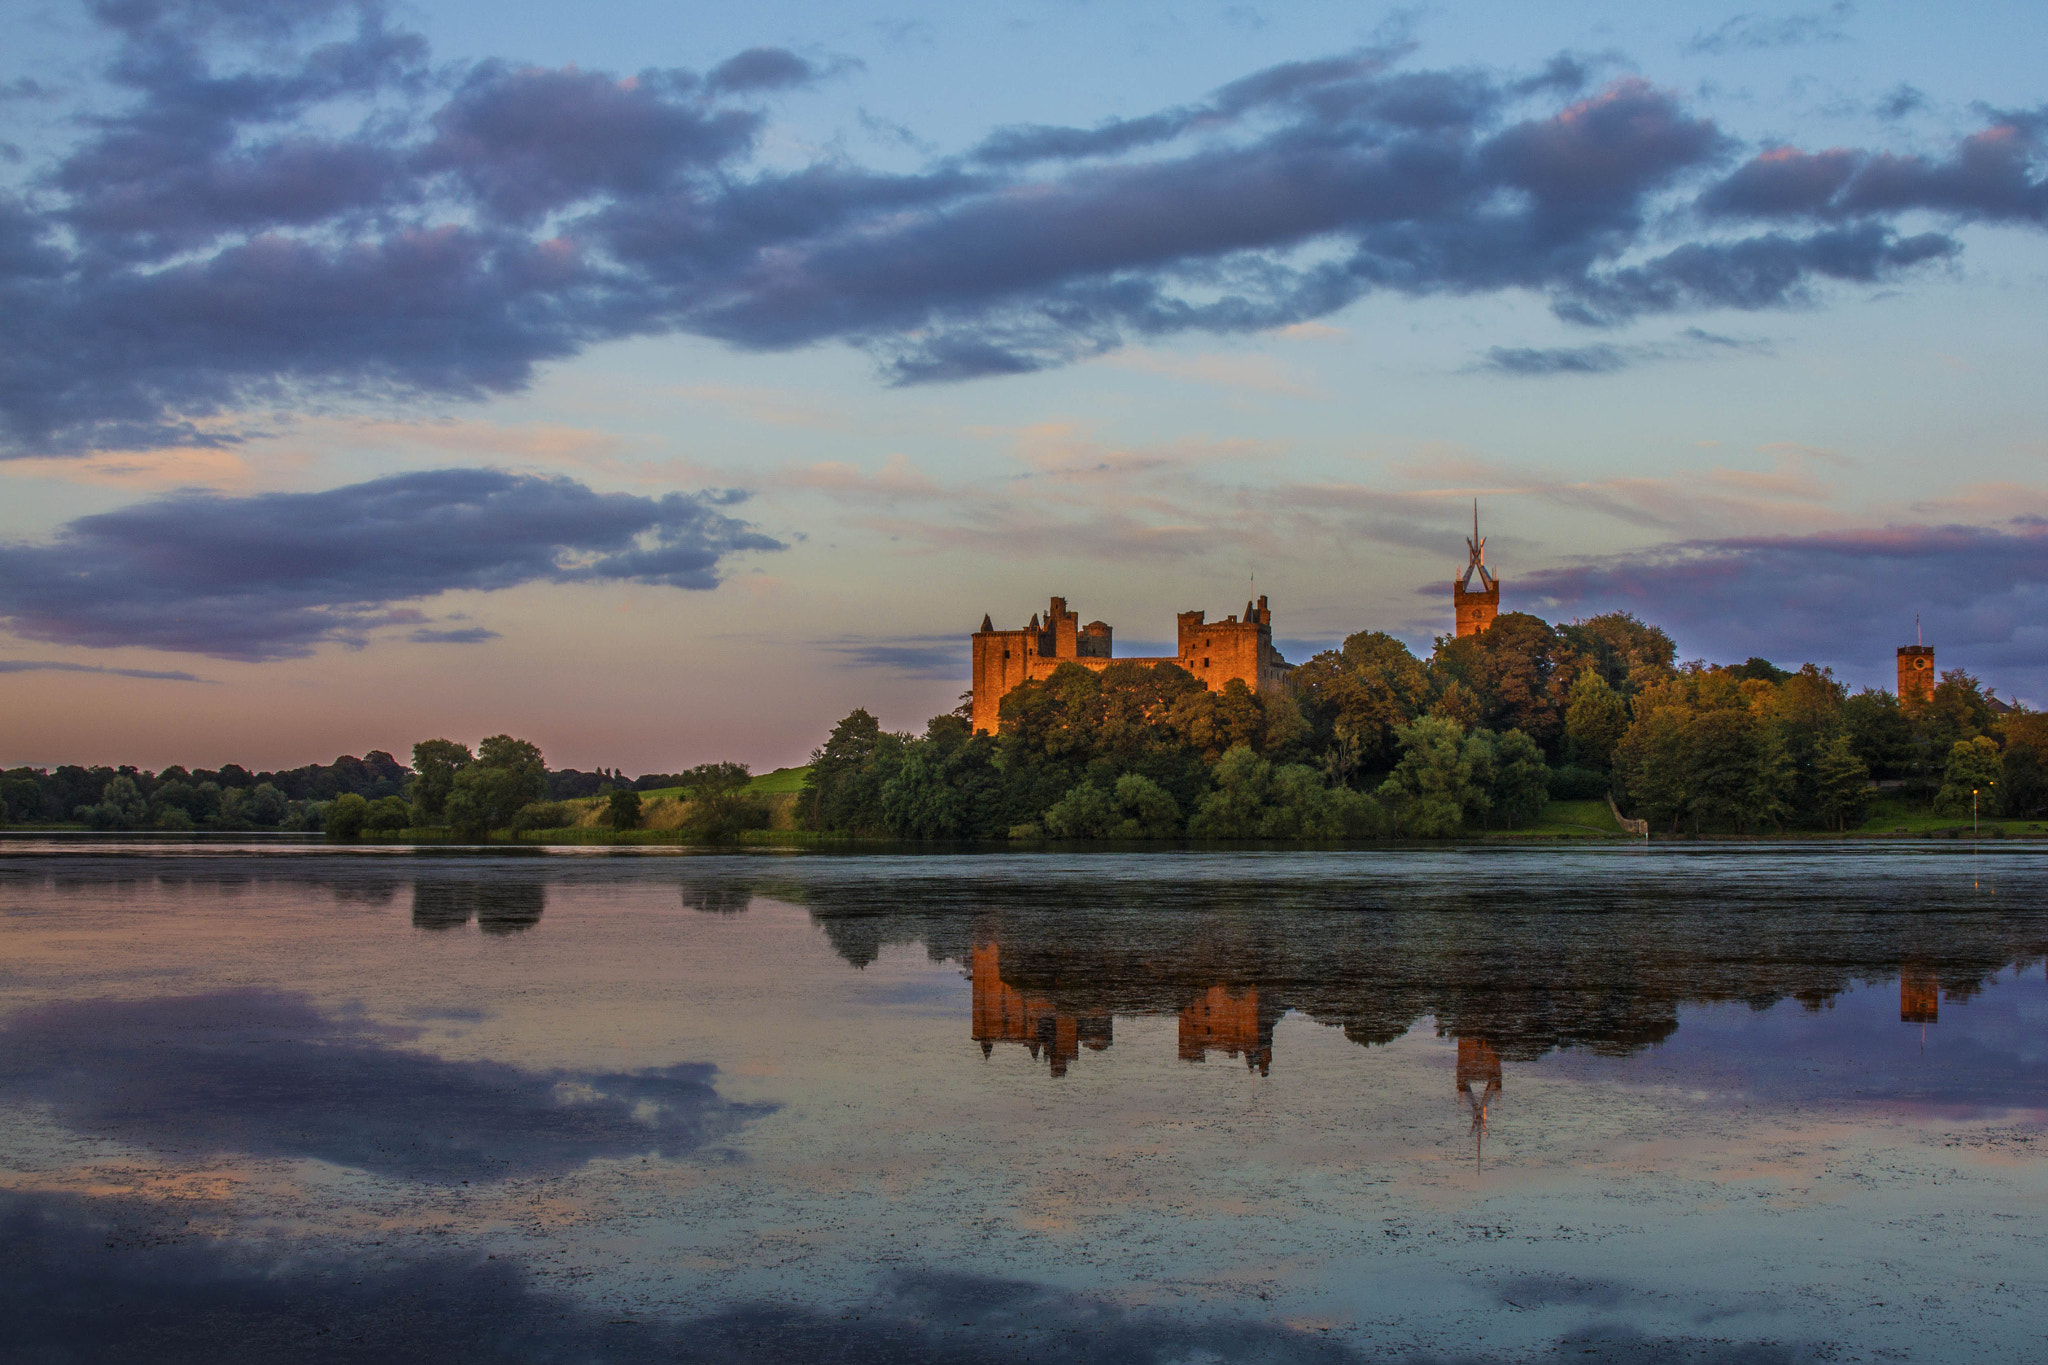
(1921,664)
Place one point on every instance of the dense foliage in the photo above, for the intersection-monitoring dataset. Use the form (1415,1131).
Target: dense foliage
(504,784)
(1370,740)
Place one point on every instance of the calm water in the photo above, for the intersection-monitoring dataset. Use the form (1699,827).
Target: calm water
(1623,1103)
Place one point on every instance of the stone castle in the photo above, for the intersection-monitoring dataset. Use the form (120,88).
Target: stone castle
(1242,647)
(1213,651)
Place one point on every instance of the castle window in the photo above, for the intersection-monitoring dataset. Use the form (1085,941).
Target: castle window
(1205,663)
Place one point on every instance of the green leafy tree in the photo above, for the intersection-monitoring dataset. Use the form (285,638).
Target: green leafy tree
(345,816)
(507,774)
(1510,668)
(542,815)
(435,763)
(21,799)
(1258,799)
(388,815)
(622,811)
(1086,812)
(1521,779)
(1969,780)
(840,788)
(1628,654)
(1841,783)
(267,805)
(2023,773)
(1595,719)
(121,806)
(1652,762)
(1431,788)
(1354,697)
(1879,731)
(1736,770)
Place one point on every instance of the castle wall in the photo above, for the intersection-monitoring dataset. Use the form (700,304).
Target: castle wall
(1213,651)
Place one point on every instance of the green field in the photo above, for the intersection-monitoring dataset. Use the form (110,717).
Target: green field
(778,783)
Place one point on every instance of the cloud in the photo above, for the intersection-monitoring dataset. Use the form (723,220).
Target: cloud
(274,575)
(468,635)
(1528,360)
(53,666)
(1607,358)
(1757,32)
(916,656)
(1846,597)
(1991,177)
(298,207)
(267,1074)
(224,1297)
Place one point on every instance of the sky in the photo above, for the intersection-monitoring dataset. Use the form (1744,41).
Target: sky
(661,382)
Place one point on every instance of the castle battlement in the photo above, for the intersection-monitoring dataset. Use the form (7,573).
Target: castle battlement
(1213,651)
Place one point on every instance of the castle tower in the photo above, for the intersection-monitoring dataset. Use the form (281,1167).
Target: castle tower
(1916,672)
(1475,607)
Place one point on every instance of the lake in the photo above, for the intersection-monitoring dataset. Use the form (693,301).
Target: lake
(1724,1103)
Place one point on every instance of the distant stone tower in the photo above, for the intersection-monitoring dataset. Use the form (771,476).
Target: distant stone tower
(1476,607)
(1916,671)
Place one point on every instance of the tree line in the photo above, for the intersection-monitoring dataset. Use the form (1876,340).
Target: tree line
(504,783)
(1369,740)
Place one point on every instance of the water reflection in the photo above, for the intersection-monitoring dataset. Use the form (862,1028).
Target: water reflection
(499,906)
(267,1074)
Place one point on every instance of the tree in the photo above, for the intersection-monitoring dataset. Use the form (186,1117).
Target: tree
(1431,788)
(1354,697)
(1841,783)
(121,806)
(435,763)
(267,806)
(518,757)
(1651,760)
(1627,653)
(623,810)
(1957,711)
(486,797)
(832,790)
(1521,779)
(1879,731)
(388,815)
(346,815)
(1595,719)
(1970,778)
(1509,667)
(1736,769)
(2023,778)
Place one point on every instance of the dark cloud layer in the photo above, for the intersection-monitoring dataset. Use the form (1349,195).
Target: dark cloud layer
(295,202)
(110,1279)
(274,575)
(1840,598)
(55,666)
(268,1075)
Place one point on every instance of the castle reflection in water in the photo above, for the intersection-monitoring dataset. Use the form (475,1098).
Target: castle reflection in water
(1237,1021)
(1219,1020)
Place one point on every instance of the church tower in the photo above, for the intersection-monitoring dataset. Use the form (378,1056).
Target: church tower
(1916,672)
(1475,607)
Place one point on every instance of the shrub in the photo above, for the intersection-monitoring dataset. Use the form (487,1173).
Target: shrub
(345,816)
(543,815)
(623,810)
(388,814)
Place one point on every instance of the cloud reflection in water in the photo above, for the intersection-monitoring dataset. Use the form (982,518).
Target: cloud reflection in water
(268,1075)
